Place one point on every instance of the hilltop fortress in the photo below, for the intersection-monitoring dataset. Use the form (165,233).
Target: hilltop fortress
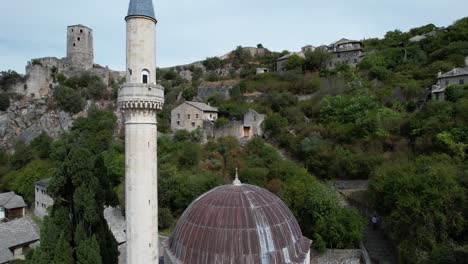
(41,73)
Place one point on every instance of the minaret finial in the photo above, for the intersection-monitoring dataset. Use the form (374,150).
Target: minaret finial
(237,181)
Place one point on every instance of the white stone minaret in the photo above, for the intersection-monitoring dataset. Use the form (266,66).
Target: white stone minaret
(140,98)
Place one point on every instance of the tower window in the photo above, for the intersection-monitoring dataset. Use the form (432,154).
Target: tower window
(72,29)
(74,44)
(79,39)
(81,31)
(145,77)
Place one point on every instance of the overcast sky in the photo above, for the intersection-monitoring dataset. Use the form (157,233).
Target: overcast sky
(191,30)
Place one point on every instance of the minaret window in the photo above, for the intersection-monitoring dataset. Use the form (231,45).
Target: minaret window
(145,76)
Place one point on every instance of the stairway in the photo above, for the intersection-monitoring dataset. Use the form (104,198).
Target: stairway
(380,251)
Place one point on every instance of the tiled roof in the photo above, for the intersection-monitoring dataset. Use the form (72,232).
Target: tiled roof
(238,224)
(455,72)
(141,8)
(5,255)
(202,106)
(43,183)
(344,41)
(11,200)
(15,233)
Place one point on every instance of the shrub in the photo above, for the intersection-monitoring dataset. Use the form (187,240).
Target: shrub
(4,102)
(68,99)
(213,63)
(165,218)
(8,79)
(182,135)
(221,122)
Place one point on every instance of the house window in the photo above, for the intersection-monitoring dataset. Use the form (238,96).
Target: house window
(193,124)
(462,81)
(211,116)
(446,82)
(338,55)
(188,116)
(178,123)
(197,116)
(37,203)
(355,60)
(145,77)
(178,115)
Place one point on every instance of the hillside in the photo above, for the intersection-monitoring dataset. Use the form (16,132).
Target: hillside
(372,122)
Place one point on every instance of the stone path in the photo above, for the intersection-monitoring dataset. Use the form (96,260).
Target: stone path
(380,251)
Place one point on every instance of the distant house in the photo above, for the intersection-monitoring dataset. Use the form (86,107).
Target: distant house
(191,115)
(346,52)
(42,200)
(282,61)
(16,238)
(11,206)
(457,76)
(250,127)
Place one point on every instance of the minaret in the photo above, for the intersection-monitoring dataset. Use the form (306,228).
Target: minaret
(140,98)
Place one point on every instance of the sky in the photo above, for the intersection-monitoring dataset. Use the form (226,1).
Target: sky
(190,30)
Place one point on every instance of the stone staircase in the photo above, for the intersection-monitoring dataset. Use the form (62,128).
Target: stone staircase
(380,251)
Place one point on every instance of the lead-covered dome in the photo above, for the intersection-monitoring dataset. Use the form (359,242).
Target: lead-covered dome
(238,224)
(141,8)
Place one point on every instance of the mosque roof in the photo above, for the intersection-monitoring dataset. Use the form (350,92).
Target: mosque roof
(241,224)
(141,8)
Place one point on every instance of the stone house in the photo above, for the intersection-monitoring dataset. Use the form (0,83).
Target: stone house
(347,52)
(192,115)
(250,127)
(282,61)
(12,206)
(17,237)
(457,76)
(42,200)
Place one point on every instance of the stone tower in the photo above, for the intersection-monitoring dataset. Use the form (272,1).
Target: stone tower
(140,98)
(80,52)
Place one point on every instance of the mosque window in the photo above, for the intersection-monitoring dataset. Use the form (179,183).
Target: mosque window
(145,76)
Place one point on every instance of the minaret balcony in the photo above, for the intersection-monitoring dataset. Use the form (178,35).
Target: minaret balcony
(141,96)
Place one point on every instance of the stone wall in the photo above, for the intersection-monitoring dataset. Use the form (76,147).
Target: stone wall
(337,256)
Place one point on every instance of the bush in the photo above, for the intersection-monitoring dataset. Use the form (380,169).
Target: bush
(8,79)
(69,100)
(165,218)
(213,63)
(4,102)
(221,122)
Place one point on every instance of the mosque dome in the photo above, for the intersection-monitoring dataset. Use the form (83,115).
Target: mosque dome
(240,224)
(141,8)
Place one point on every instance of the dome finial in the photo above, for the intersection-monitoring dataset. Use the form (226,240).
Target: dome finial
(237,181)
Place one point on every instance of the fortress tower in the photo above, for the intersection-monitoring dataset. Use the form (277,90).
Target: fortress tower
(140,98)
(80,50)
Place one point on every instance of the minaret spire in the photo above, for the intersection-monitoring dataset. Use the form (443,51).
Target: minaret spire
(237,181)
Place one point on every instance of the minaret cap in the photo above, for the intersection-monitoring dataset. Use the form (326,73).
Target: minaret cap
(237,181)
(141,8)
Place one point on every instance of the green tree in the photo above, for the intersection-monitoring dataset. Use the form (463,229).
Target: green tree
(22,156)
(276,124)
(42,145)
(295,62)
(68,99)
(317,59)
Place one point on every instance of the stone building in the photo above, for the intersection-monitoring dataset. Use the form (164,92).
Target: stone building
(192,115)
(282,61)
(457,76)
(42,201)
(80,50)
(17,237)
(12,206)
(250,127)
(346,52)
(240,224)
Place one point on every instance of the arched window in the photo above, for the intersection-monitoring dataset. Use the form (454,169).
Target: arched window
(145,76)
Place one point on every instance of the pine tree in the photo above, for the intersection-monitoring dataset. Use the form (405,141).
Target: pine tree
(63,251)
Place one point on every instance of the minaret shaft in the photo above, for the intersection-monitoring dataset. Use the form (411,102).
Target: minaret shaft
(139,99)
